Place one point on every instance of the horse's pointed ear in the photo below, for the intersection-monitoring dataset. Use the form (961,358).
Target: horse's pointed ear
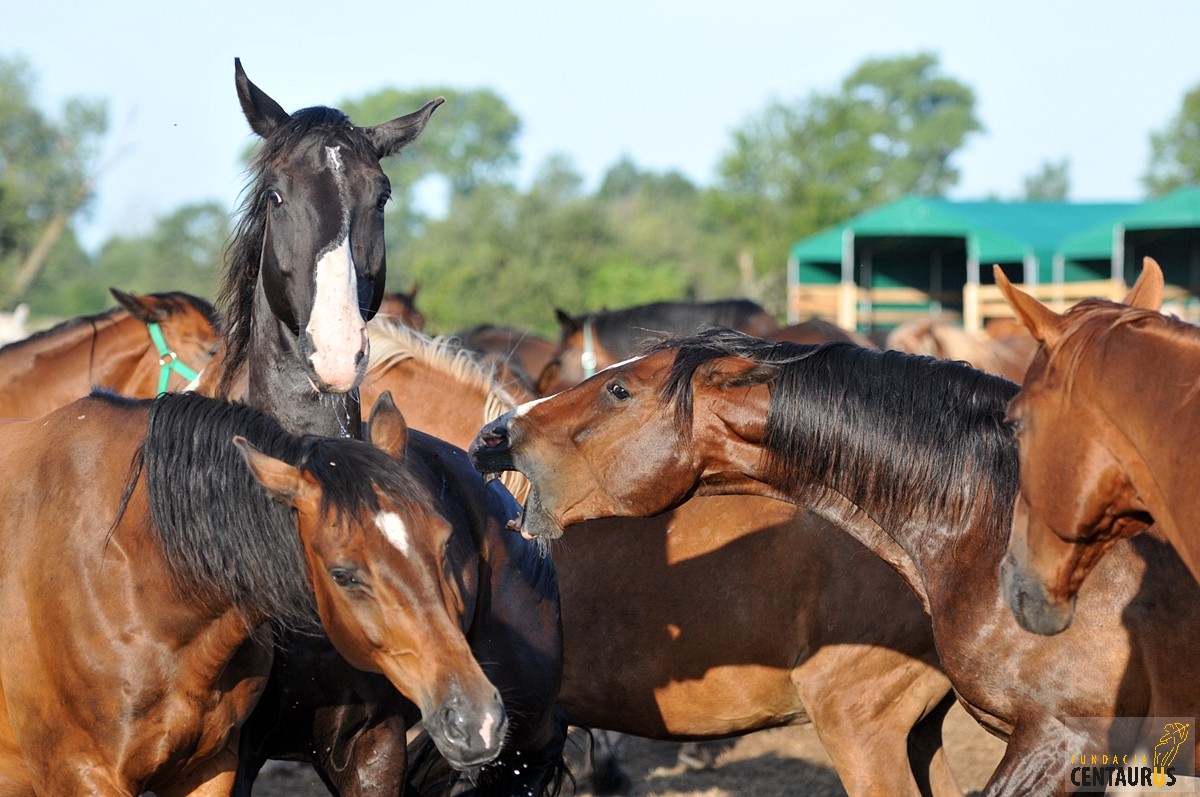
(138,306)
(569,325)
(1147,292)
(728,372)
(386,429)
(1042,322)
(390,137)
(547,378)
(285,482)
(263,113)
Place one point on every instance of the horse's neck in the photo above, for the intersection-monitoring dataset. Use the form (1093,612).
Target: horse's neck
(1136,384)
(105,351)
(276,385)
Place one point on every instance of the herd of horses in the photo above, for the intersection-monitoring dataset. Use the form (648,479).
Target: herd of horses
(214,561)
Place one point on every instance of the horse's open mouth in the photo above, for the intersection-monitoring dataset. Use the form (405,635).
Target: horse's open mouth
(535,522)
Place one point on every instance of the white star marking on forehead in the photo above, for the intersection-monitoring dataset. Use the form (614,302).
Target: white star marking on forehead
(394,530)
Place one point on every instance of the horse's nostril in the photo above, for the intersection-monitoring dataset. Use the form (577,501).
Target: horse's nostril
(454,725)
(359,357)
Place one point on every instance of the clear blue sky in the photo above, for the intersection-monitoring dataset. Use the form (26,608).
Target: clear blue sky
(662,82)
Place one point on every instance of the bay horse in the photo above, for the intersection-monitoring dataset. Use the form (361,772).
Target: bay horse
(144,346)
(401,308)
(135,581)
(305,273)
(519,356)
(910,456)
(1105,422)
(657,646)
(592,341)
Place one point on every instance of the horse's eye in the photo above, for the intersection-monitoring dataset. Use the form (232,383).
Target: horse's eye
(383,200)
(275,197)
(618,391)
(344,577)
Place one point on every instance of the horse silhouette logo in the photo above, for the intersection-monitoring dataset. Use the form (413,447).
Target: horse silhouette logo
(1174,735)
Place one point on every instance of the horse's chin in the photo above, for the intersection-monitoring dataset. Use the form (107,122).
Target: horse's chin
(537,523)
(339,384)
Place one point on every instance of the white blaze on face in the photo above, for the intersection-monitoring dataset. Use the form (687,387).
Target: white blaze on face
(394,531)
(335,328)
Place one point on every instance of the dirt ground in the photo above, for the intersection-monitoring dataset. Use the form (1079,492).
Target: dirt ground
(776,763)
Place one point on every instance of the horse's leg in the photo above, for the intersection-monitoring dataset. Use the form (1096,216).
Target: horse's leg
(927,754)
(1036,762)
(212,779)
(866,731)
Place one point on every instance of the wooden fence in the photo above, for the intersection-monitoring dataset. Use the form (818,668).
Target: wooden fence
(851,307)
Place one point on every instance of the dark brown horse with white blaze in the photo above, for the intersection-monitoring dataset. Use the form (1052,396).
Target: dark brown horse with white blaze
(1107,429)
(910,456)
(144,551)
(661,642)
(305,273)
(142,347)
(306,269)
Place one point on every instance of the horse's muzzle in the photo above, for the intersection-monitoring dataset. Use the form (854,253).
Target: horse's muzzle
(491,450)
(1030,604)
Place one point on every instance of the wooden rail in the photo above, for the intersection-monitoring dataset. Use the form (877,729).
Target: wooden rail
(847,305)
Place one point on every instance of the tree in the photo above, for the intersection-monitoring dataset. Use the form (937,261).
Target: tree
(1175,150)
(47,174)
(1052,181)
(892,129)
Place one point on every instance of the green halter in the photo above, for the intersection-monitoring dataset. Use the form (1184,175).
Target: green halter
(588,358)
(167,360)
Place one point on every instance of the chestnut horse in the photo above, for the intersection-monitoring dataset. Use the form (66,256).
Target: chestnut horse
(593,341)
(655,647)
(1007,356)
(1105,423)
(305,273)
(909,455)
(133,583)
(143,347)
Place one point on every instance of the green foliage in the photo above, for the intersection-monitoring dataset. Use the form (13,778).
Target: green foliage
(183,252)
(1052,181)
(1175,150)
(795,168)
(470,140)
(46,165)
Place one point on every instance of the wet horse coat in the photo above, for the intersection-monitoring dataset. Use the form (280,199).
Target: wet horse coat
(911,457)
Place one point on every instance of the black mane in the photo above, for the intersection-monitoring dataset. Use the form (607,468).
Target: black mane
(222,535)
(623,331)
(236,298)
(898,434)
